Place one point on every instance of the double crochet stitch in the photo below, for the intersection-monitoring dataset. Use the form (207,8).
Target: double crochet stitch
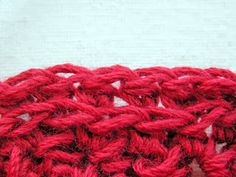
(72,121)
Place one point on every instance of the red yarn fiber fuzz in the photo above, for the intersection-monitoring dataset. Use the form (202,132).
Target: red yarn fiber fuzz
(71,121)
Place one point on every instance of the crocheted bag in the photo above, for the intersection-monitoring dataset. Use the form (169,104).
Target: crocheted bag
(73,121)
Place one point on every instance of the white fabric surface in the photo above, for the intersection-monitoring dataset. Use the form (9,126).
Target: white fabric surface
(135,33)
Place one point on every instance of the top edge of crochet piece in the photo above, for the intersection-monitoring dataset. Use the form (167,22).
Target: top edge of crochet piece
(174,71)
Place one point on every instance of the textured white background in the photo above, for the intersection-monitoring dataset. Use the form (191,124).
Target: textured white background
(93,33)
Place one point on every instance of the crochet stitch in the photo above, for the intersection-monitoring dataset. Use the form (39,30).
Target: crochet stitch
(71,121)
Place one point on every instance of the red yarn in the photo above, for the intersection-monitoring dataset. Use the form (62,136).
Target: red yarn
(65,121)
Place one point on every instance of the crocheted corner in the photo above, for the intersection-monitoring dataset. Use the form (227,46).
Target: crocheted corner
(69,120)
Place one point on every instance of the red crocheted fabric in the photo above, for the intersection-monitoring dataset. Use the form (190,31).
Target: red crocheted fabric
(71,121)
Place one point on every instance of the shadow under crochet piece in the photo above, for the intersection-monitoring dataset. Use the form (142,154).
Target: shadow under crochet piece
(71,121)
